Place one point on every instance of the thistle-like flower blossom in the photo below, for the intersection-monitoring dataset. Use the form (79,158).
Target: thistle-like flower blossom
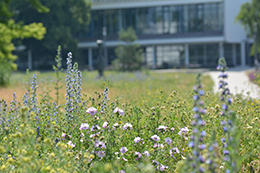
(119,111)
(84,126)
(92,111)
(155,138)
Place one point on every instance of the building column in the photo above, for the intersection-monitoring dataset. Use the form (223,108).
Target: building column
(187,56)
(90,59)
(154,57)
(120,23)
(234,55)
(243,53)
(221,50)
(30,59)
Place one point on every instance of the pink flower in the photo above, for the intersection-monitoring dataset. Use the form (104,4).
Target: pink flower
(119,111)
(63,135)
(105,124)
(84,126)
(92,111)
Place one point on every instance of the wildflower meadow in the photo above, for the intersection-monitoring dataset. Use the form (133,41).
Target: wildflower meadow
(140,122)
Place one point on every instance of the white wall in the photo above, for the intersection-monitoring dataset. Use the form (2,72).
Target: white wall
(234,31)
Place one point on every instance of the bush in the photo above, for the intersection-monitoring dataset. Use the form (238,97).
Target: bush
(130,55)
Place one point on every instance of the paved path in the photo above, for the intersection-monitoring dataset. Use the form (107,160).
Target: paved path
(238,83)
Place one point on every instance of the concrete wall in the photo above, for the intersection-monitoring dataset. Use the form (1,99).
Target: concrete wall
(233,30)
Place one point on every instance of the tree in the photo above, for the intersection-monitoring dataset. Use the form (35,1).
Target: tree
(129,55)
(65,22)
(249,16)
(10,30)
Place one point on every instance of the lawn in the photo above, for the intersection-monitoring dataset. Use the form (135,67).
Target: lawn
(41,136)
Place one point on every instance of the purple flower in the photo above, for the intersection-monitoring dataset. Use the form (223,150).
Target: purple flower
(138,154)
(195,97)
(123,150)
(168,140)
(163,167)
(84,126)
(202,146)
(146,153)
(95,127)
(101,154)
(224,107)
(155,138)
(201,92)
(137,139)
(127,126)
(119,111)
(92,111)
(183,131)
(99,144)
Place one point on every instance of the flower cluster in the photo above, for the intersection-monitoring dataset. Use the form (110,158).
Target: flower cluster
(196,143)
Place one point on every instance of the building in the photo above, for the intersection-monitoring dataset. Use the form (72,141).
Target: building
(172,33)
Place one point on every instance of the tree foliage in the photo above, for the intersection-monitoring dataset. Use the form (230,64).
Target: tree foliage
(249,16)
(65,22)
(129,55)
(10,30)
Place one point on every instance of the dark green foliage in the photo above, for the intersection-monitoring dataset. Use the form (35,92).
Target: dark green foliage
(11,30)
(65,20)
(129,55)
(249,16)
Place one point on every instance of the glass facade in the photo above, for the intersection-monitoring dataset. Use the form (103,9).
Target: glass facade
(204,18)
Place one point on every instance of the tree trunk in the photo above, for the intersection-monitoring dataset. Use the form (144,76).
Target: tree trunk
(256,63)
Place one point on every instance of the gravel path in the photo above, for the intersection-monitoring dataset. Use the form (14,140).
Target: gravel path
(238,83)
